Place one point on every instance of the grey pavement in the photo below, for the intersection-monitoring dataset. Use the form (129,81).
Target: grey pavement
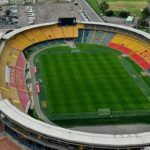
(35,95)
(115,129)
(50,11)
(89,11)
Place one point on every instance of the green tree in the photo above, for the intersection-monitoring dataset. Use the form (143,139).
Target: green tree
(145,17)
(103,6)
(145,13)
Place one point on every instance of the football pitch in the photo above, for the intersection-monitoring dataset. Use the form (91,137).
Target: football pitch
(133,6)
(87,80)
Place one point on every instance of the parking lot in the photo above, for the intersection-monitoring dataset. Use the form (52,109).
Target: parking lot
(24,15)
(43,12)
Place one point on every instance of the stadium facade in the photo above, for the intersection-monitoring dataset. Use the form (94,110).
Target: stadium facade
(15,95)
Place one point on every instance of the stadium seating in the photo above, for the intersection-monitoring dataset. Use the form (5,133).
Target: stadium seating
(61,32)
(23,42)
(89,36)
(94,37)
(135,48)
(17,81)
(80,37)
(123,43)
(48,33)
(121,48)
(98,37)
(42,37)
(140,61)
(107,38)
(58,32)
(38,33)
(11,56)
(30,35)
(33,39)
(68,32)
(85,36)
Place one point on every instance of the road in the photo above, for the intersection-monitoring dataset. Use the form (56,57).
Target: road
(89,11)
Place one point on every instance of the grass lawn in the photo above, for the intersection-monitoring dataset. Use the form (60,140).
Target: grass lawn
(134,6)
(85,82)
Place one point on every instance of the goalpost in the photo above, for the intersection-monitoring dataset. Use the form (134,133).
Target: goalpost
(104,112)
(75,51)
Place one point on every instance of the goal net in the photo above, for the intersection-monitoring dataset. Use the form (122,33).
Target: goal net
(104,112)
(76,51)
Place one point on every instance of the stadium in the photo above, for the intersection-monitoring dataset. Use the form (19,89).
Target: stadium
(82,72)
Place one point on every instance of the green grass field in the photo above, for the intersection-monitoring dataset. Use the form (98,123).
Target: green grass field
(74,84)
(133,6)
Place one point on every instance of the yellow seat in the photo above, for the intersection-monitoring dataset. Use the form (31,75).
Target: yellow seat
(18,42)
(135,45)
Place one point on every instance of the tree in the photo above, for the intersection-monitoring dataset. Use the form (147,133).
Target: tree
(103,6)
(145,17)
(109,13)
(145,13)
(124,14)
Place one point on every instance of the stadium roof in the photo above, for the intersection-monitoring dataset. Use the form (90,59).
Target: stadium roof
(69,135)
(10,34)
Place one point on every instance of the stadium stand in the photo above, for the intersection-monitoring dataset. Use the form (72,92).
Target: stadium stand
(85,36)
(29,34)
(38,33)
(94,37)
(89,36)
(48,34)
(16,91)
(17,81)
(98,36)
(137,50)
(68,32)
(80,37)
(108,36)
(139,60)
(30,39)
(121,48)
(23,42)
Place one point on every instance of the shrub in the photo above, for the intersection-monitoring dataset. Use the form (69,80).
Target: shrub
(124,14)
(110,13)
